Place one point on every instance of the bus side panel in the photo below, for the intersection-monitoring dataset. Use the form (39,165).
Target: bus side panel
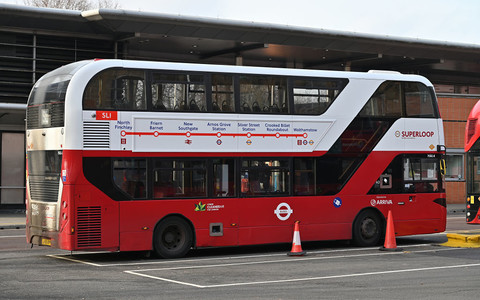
(415,213)
(139,218)
(65,238)
(271,220)
(96,220)
(420,214)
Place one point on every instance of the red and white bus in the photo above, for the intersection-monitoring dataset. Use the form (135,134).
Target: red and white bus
(472,149)
(134,155)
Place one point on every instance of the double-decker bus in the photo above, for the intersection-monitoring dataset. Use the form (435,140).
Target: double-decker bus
(139,156)
(472,149)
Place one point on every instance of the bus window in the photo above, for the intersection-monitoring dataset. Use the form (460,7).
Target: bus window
(223,178)
(265,177)
(314,96)
(419,101)
(409,174)
(178,92)
(263,94)
(304,182)
(179,179)
(385,102)
(222,93)
(46,105)
(129,175)
(421,175)
(119,89)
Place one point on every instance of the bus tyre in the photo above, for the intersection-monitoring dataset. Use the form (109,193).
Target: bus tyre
(367,229)
(172,238)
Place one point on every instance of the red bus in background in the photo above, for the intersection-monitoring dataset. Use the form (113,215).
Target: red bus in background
(133,156)
(472,149)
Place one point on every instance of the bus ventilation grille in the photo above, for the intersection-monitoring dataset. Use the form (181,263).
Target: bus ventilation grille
(43,190)
(89,227)
(55,110)
(96,135)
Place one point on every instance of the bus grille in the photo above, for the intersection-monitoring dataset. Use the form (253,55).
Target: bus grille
(56,111)
(96,135)
(43,190)
(89,227)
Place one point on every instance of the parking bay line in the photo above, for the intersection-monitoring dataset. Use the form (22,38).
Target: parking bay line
(140,272)
(74,260)
(308,278)
(68,257)
(12,236)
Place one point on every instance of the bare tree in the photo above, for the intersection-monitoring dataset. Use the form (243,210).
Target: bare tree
(73,4)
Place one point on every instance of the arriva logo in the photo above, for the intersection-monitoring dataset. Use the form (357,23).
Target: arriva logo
(375,202)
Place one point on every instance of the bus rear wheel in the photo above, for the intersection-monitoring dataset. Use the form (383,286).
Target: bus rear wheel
(367,229)
(173,238)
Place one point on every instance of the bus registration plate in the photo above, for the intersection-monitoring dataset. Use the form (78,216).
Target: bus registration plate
(46,242)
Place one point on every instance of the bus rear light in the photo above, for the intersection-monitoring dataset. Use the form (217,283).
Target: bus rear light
(72,230)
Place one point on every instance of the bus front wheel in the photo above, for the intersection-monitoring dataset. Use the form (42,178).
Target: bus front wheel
(173,238)
(367,229)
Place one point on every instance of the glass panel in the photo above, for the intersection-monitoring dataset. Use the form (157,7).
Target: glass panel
(263,94)
(44,163)
(385,102)
(178,92)
(473,181)
(120,89)
(304,182)
(179,179)
(222,93)
(314,96)
(418,100)
(223,176)
(130,176)
(265,177)
(421,175)
(454,164)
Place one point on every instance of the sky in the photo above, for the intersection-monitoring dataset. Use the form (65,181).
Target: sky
(439,20)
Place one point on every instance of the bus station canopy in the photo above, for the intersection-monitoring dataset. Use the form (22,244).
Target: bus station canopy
(157,36)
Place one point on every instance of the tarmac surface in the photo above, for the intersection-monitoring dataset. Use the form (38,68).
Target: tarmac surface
(15,218)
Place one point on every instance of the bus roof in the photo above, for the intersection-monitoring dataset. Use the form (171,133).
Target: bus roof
(101,64)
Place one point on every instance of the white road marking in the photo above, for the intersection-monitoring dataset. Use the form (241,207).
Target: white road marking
(183,261)
(74,260)
(140,272)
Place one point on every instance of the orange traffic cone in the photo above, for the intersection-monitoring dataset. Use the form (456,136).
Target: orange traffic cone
(296,245)
(390,242)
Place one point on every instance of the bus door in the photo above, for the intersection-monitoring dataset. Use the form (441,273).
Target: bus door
(473,186)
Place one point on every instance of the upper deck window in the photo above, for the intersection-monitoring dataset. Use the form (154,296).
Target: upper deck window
(46,105)
(222,93)
(385,102)
(314,96)
(178,92)
(119,89)
(396,99)
(419,100)
(263,94)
